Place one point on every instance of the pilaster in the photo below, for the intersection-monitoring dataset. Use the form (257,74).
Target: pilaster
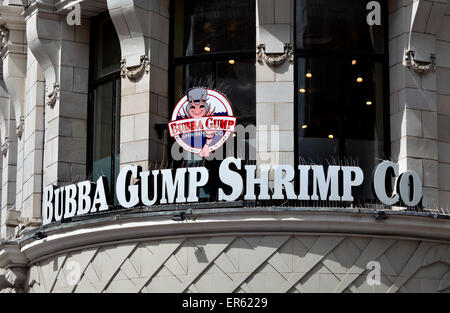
(414,91)
(143,30)
(64,60)
(275,82)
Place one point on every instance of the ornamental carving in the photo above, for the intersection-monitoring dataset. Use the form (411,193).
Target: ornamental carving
(5,146)
(4,37)
(135,72)
(53,96)
(420,67)
(274,59)
(20,127)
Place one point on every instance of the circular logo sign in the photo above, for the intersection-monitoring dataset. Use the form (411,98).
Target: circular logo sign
(202,121)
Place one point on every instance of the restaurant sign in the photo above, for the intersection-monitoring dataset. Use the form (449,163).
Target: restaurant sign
(135,187)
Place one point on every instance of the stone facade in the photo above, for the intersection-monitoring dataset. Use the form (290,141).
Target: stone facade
(248,264)
(43,129)
(418,91)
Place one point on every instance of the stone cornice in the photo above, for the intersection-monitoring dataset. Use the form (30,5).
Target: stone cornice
(11,17)
(43,7)
(155,225)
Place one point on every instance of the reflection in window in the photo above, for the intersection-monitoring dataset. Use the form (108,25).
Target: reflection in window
(340,95)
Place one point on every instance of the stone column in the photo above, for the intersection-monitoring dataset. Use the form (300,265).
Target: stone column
(33,151)
(9,157)
(413,89)
(14,58)
(143,30)
(62,51)
(275,82)
(443,100)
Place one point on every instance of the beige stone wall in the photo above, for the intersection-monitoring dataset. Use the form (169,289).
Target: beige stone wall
(284,263)
(275,84)
(443,110)
(419,101)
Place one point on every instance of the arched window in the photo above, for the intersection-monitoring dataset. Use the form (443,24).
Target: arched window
(341,85)
(104,101)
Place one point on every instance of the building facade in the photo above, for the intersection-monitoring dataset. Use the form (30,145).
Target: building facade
(88,88)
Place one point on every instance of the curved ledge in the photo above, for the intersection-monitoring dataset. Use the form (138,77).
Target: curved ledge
(156,226)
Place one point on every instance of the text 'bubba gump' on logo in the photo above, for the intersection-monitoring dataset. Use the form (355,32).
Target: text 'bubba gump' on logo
(202,121)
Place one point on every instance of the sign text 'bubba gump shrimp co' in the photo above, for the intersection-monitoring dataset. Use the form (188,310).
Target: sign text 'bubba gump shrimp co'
(136,188)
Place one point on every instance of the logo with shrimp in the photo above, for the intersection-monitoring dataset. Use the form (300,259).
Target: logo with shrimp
(202,121)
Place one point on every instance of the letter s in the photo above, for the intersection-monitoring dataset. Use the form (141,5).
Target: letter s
(232,179)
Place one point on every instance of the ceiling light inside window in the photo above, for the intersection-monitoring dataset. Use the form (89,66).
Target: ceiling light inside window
(308,75)
(207,48)
(354,62)
(302,90)
(232,62)
(359,79)
(304,126)
(369,103)
(331,136)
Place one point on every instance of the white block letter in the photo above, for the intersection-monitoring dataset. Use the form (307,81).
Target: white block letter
(230,178)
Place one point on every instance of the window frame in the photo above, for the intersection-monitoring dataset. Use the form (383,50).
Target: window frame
(93,83)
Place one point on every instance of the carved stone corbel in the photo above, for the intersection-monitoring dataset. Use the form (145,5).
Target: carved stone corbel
(20,127)
(135,72)
(53,96)
(5,146)
(4,35)
(419,67)
(274,59)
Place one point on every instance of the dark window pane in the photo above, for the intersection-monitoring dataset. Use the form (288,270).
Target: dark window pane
(209,26)
(104,156)
(337,25)
(236,81)
(103,124)
(239,81)
(340,105)
(107,48)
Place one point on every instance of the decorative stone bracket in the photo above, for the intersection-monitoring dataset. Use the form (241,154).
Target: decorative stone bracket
(53,96)
(5,146)
(135,72)
(274,59)
(419,67)
(20,127)
(4,37)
